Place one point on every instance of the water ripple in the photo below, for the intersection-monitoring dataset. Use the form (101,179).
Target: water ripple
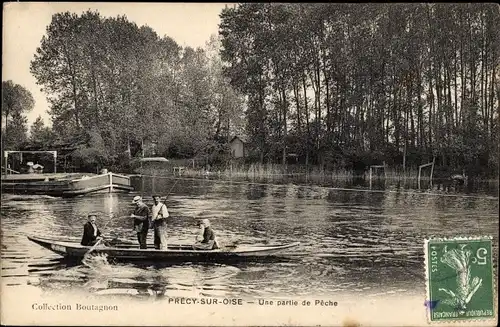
(364,242)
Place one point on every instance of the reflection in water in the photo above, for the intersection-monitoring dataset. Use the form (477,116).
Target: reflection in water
(98,276)
(351,241)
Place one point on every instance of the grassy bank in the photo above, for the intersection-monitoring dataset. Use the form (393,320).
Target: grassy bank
(278,171)
(276,174)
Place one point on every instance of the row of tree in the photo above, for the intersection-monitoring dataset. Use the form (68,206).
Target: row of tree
(118,88)
(341,83)
(336,85)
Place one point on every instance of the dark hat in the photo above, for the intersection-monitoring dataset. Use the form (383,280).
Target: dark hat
(205,222)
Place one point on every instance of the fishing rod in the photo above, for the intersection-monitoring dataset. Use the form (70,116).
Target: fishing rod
(110,219)
(177,179)
(112,215)
(173,185)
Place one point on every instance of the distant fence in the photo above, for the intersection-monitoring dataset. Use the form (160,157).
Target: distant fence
(12,171)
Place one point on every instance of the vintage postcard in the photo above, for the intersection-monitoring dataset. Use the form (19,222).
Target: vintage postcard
(250,164)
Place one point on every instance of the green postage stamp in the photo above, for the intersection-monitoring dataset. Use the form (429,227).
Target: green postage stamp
(460,282)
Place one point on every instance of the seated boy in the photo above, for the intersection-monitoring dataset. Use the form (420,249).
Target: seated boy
(206,240)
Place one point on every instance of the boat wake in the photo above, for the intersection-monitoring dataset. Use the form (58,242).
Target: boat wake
(99,277)
(105,278)
(96,262)
(99,266)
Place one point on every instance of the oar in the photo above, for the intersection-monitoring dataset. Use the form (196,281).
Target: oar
(100,239)
(93,247)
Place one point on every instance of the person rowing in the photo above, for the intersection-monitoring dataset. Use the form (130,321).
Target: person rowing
(206,239)
(91,233)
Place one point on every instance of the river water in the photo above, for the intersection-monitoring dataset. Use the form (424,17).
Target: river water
(352,241)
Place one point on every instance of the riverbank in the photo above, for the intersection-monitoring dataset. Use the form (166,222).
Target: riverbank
(390,180)
(271,171)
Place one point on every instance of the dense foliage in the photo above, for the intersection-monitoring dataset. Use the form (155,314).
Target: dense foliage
(16,101)
(343,83)
(329,85)
(122,89)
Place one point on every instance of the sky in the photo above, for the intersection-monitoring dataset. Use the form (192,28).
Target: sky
(24,24)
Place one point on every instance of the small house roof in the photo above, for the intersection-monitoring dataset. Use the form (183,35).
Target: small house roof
(154,159)
(239,137)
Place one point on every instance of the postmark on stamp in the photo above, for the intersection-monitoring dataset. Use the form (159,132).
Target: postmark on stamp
(459,279)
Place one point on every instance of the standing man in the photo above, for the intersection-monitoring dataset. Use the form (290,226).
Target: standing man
(90,231)
(141,216)
(159,218)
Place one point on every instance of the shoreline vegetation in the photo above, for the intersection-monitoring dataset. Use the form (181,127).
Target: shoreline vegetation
(311,174)
(274,174)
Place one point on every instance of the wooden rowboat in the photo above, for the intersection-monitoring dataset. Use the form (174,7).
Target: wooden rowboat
(175,252)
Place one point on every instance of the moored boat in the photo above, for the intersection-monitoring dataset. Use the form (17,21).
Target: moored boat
(57,184)
(65,185)
(175,252)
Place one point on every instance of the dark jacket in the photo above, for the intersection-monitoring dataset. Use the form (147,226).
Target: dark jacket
(209,235)
(142,225)
(88,234)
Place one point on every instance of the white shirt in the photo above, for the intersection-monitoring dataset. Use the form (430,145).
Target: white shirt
(95,228)
(159,211)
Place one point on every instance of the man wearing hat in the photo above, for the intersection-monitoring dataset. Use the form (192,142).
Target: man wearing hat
(159,219)
(206,240)
(91,232)
(141,216)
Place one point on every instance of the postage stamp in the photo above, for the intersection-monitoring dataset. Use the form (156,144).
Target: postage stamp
(459,275)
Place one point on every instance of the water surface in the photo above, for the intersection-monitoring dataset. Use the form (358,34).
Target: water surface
(352,241)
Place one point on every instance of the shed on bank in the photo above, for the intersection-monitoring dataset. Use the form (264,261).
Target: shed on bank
(237,146)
